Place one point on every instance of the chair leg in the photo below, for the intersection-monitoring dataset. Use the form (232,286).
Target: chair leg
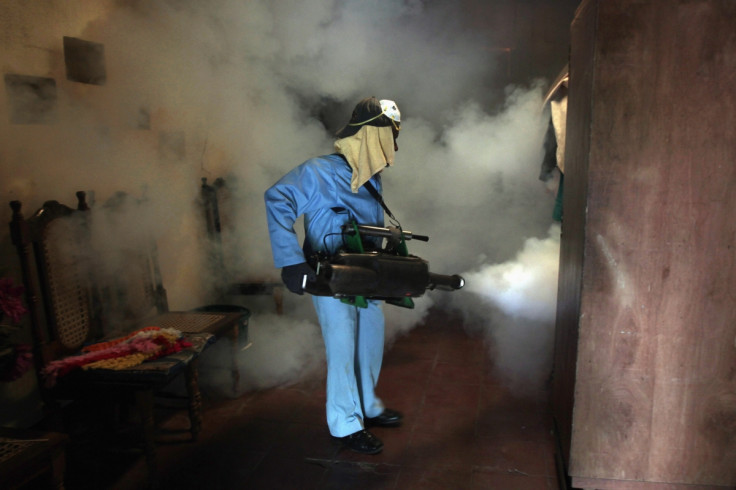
(58,469)
(278,299)
(195,398)
(144,402)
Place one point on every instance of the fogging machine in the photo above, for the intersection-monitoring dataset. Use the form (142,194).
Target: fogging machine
(355,274)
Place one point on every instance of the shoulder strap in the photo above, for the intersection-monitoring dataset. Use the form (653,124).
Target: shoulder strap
(379,198)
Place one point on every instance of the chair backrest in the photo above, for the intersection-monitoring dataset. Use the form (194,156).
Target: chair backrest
(56,263)
(211,207)
(220,263)
(215,259)
(79,289)
(128,274)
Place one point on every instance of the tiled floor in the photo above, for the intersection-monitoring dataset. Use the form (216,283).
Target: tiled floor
(462,430)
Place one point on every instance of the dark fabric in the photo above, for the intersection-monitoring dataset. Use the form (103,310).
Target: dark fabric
(557,213)
(364,110)
(549,161)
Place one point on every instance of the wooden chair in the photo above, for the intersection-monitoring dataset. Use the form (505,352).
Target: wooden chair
(31,458)
(232,285)
(67,310)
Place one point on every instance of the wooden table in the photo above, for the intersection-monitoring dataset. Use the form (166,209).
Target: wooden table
(201,329)
(208,320)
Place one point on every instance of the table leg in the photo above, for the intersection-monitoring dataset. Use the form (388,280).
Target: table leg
(195,398)
(145,402)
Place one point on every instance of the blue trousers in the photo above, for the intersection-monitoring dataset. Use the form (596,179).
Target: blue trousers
(354,349)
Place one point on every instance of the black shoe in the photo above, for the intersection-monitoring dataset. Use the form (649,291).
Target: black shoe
(362,442)
(388,418)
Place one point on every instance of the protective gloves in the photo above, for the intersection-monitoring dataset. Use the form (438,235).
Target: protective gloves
(293,276)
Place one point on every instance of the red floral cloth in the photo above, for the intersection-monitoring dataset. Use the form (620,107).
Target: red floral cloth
(151,341)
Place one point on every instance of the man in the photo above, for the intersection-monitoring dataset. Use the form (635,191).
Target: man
(330,191)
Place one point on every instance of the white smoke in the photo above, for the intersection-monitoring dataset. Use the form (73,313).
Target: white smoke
(256,88)
(525,287)
(267,357)
(520,297)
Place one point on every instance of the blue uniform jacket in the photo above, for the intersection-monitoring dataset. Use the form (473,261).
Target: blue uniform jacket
(319,189)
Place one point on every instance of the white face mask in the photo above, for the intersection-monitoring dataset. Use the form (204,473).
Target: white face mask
(391,110)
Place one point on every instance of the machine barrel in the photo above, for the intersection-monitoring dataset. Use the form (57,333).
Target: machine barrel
(445,282)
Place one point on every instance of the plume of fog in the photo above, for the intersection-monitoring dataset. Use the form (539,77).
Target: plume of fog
(256,88)
(519,298)
(525,287)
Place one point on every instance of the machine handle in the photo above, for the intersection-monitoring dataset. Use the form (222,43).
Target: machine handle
(384,232)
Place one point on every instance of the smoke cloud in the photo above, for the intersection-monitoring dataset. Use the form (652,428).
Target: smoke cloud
(520,298)
(245,91)
(525,287)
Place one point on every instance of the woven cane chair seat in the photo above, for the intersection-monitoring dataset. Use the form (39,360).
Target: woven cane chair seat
(68,283)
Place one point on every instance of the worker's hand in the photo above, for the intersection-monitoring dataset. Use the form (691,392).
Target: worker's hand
(294,277)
